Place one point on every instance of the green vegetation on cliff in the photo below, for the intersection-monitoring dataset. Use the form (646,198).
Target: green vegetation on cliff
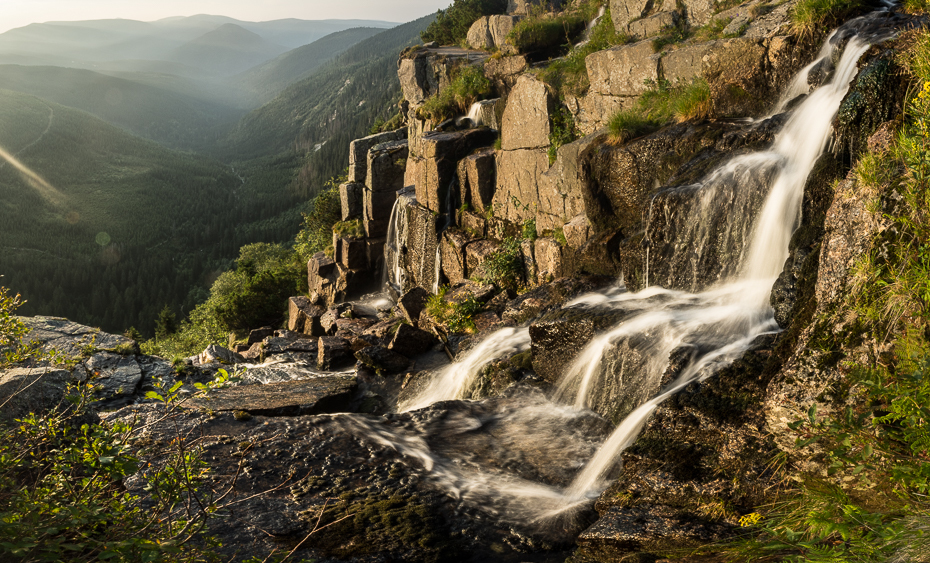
(873,506)
(452,24)
(468,85)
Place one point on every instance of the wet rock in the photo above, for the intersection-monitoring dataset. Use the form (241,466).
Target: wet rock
(259,334)
(526,117)
(470,289)
(350,200)
(275,345)
(382,331)
(382,359)
(556,343)
(291,398)
(334,353)
(25,390)
(411,304)
(485,321)
(217,354)
(411,341)
(304,317)
(624,70)
(735,71)
(551,296)
(117,378)
(636,529)
(358,153)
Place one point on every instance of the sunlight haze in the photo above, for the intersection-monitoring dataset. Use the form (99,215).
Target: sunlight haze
(18,13)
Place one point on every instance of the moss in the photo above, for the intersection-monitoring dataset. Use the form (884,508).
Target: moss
(349,229)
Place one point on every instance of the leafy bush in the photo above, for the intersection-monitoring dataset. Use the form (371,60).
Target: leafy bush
(469,84)
(539,33)
(456,317)
(61,483)
(504,267)
(452,24)
(316,233)
(349,229)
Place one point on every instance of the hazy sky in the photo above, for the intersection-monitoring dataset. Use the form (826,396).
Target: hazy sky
(17,13)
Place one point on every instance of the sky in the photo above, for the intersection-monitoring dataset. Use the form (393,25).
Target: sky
(17,13)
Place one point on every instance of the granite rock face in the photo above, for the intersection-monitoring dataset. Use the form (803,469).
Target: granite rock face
(526,117)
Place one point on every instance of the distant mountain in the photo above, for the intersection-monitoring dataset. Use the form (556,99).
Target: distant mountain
(154,112)
(321,114)
(226,50)
(112,227)
(266,80)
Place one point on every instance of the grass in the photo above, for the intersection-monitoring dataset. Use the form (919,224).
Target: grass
(810,15)
(469,84)
(542,32)
(660,105)
(569,74)
(349,229)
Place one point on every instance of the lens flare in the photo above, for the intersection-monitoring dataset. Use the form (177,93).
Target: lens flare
(46,190)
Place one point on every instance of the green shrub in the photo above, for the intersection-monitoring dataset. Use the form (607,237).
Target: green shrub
(452,24)
(456,317)
(811,15)
(563,131)
(62,496)
(504,267)
(469,84)
(659,105)
(349,229)
(541,32)
(317,230)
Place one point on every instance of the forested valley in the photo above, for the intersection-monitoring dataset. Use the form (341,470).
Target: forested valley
(126,192)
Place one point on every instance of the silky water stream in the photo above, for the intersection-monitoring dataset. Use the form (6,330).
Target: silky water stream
(482,452)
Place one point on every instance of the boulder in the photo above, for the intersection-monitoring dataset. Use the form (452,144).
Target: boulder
(422,248)
(526,118)
(479,35)
(563,187)
(318,395)
(593,111)
(452,248)
(382,359)
(577,231)
(472,223)
(652,25)
(623,11)
(441,154)
(25,390)
(412,303)
(476,253)
(700,12)
(623,70)
(411,341)
(214,354)
(275,345)
(548,255)
(386,165)
(334,353)
(685,63)
(556,343)
(504,71)
(351,252)
(424,72)
(258,335)
(117,378)
(499,26)
(735,71)
(350,199)
(477,178)
(516,196)
(358,152)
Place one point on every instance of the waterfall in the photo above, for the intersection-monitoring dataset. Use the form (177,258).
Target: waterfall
(392,272)
(590,27)
(756,200)
(728,318)
(457,378)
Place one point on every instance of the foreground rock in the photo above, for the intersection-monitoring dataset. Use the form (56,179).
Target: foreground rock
(291,398)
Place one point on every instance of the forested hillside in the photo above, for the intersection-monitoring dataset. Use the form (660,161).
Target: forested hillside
(263,82)
(115,226)
(171,118)
(338,103)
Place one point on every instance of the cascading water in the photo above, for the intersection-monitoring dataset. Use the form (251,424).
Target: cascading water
(590,27)
(713,326)
(393,272)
